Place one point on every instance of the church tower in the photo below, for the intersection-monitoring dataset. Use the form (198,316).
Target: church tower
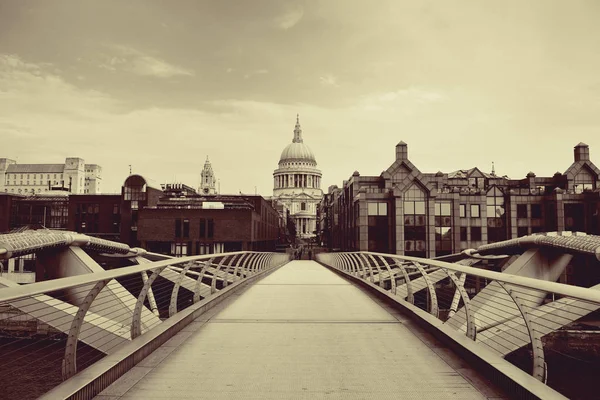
(208,181)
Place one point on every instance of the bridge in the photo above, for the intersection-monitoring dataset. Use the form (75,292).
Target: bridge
(108,321)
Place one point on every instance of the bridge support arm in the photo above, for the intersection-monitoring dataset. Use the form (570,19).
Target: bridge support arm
(537,347)
(433,307)
(199,280)
(136,320)
(69,363)
(392,277)
(175,292)
(470,317)
(213,284)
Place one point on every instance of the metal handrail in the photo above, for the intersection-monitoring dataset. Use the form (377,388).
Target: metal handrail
(13,293)
(580,293)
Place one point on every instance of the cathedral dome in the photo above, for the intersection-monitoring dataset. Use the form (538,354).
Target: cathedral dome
(297,150)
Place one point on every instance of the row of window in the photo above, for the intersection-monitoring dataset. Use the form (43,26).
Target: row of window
(28,190)
(34,183)
(182,228)
(536,211)
(184,249)
(34,176)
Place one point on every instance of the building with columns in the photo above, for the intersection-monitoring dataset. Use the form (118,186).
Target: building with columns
(208,184)
(297,184)
(430,214)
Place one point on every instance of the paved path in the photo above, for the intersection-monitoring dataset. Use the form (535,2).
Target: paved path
(302,332)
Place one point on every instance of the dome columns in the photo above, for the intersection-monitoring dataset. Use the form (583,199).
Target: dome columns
(294,180)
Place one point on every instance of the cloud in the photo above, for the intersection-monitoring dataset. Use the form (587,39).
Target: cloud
(256,72)
(44,118)
(328,80)
(136,62)
(289,18)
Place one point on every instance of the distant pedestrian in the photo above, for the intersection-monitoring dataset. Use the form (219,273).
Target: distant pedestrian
(310,254)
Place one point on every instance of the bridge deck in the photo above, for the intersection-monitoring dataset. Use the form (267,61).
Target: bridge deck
(302,332)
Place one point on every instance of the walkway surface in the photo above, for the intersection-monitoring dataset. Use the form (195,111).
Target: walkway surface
(302,332)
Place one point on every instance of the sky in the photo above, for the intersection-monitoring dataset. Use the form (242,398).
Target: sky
(161,85)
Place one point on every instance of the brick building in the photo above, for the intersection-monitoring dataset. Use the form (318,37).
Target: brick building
(406,211)
(96,215)
(198,224)
(173,219)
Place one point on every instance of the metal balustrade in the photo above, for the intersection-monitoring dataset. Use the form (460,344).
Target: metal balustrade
(510,315)
(86,317)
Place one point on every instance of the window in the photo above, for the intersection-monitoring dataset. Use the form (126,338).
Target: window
(415,222)
(475,211)
(495,204)
(443,240)
(475,233)
(211,229)
(202,229)
(186,228)
(584,181)
(463,233)
(116,208)
(477,183)
(178,228)
(462,210)
(496,217)
(443,230)
(442,209)
(203,248)
(303,206)
(521,211)
(134,205)
(179,249)
(376,209)
(536,211)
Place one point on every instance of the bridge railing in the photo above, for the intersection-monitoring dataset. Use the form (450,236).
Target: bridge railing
(523,320)
(52,329)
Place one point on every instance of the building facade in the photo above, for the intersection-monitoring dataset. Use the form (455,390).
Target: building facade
(297,184)
(198,224)
(208,183)
(406,211)
(74,176)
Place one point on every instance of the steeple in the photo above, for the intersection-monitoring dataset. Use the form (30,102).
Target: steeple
(207,184)
(297,131)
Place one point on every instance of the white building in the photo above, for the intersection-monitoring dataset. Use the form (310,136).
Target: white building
(74,176)
(208,180)
(297,184)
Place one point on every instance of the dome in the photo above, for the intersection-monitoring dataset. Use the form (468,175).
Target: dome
(297,152)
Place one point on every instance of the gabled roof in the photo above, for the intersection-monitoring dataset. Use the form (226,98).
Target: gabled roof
(466,173)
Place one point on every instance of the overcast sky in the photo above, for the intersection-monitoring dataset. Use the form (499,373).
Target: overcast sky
(162,84)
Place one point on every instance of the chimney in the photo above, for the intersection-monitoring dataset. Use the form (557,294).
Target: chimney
(582,152)
(401,151)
